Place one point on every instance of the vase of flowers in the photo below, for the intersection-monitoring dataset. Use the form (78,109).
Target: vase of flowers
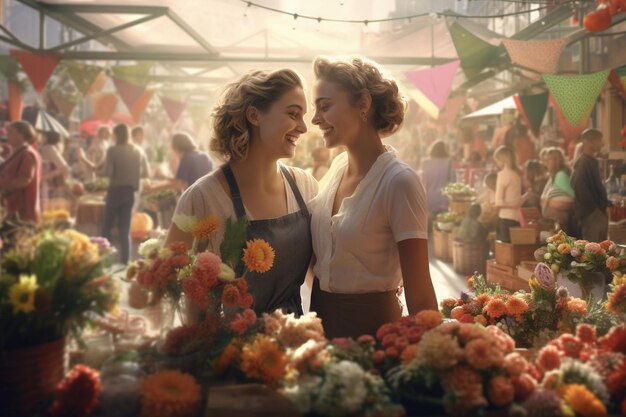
(51,285)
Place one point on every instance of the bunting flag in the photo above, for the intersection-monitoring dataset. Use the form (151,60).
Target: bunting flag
(135,74)
(617,77)
(104,106)
(475,54)
(452,108)
(570,133)
(141,104)
(9,67)
(129,92)
(15,100)
(433,86)
(83,75)
(532,108)
(538,55)
(576,95)
(38,66)
(174,102)
(65,105)
(98,84)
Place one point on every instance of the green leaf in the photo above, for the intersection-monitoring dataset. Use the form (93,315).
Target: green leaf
(235,236)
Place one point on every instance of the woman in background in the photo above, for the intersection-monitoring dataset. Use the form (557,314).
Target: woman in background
(508,192)
(436,173)
(557,199)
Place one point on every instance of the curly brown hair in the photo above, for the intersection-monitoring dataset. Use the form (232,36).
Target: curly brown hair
(259,89)
(359,75)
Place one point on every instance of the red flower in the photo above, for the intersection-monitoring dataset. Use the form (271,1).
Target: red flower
(614,340)
(230,296)
(246,300)
(77,395)
(178,247)
(179,261)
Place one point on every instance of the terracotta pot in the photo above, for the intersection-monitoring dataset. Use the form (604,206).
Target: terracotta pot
(29,376)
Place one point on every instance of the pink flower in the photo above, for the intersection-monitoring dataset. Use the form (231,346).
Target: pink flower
(249,316)
(481,354)
(586,333)
(501,391)
(196,292)
(612,263)
(207,267)
(239,324)
(504,342)
(594,248)
(544,276)
(549,358)
(571,345)
(246,300)
(515,364)
(524,385)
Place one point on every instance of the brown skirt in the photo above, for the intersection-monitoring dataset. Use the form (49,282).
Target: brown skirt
(352,315)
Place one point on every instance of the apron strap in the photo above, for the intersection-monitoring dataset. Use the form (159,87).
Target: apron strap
(294,188)
(240,211)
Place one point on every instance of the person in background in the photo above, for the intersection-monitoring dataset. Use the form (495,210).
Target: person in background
(55,170)
(370,223)
(557,198)
(193,164)
(508,192)
(93,160)
(590,200)
(471,230)
(258,121)
(487,201)
(20,174)
(522,144)
(124,165)
(533,182)
(138,136)
(436,173)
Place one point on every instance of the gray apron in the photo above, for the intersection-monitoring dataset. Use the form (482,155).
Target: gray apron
(290,237)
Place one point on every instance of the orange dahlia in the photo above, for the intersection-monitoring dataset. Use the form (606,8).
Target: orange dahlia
(169,394)
(258,256)
(264,360)
(583,402)
(516,306)
(205,228)
(230,296)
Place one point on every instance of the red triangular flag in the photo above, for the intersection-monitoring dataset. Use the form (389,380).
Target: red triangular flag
(38,66)
(128,91)
(173,108)
(141,104)
(105,106)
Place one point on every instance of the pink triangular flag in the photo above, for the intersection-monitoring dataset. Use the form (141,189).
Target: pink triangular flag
(173,108)
(129,92)
(435,83)
(538,55)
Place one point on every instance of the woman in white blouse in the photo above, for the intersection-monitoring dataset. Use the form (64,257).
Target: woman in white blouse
(369,223)
(508,192)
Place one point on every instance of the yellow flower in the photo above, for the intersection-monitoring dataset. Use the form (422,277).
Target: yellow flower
(258,256)
(169,394)
(205,228)
(582,401)
(22,294)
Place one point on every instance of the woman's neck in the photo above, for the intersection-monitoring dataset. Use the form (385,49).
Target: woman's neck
(362,155)
(257,169)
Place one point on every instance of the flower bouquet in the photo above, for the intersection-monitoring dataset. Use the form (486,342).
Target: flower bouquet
(459,191)
(531,318)
(448,220)
(582,263)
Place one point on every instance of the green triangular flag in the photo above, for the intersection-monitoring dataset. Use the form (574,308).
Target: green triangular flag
(576,94)
(9,66)
(475,54)
(82,75)
(135,74)
(532,108)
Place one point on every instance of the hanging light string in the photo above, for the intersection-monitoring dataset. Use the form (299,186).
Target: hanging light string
(391,19)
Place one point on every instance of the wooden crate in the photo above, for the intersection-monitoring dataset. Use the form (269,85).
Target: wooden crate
(505,276)
(526,269)
(442,245)
(617,232)
(468,258)
(510,254)
(524,235)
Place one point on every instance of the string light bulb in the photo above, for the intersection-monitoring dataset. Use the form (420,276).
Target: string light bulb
(246,9)
(318,26)
(295,19)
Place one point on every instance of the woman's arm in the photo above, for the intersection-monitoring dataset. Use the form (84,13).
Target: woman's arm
(418,287)
(174,234)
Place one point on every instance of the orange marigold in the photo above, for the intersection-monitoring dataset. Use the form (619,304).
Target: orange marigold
(583,402)
(264,360)
(228,356)
(169,394)
(495,308)
(258,256)
(428,319)
(205,228)
(576,305)
(516,306)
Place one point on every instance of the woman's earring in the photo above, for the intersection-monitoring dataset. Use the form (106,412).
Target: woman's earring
(363,116)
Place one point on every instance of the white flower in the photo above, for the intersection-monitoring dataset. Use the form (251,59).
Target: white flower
(301,394)
(165,253)
(226,273)
(184,222)
(146,248)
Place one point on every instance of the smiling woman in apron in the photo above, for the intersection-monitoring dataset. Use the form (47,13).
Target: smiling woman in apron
(259,121)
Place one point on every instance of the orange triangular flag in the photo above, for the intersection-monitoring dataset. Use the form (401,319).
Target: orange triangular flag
(38,66)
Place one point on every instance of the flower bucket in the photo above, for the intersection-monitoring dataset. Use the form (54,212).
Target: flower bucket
(30,376)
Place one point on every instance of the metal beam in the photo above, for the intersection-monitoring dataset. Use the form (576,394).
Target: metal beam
(105,32)
(192,33)
(17,43)
(204,57)
(75,22)
(103,8)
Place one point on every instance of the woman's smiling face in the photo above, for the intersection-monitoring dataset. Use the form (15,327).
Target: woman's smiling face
(335,114)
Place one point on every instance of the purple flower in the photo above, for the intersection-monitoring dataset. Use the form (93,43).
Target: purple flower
(544,276)
(562,292)
(539,253)
(467,296)
(102,243)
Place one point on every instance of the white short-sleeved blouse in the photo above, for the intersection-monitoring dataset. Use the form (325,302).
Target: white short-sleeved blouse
(207,197)
(356,249)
